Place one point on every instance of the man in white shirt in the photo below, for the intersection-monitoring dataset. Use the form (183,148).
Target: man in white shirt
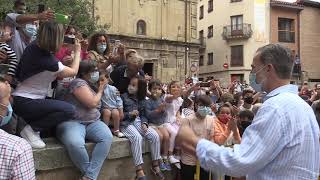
(282,142)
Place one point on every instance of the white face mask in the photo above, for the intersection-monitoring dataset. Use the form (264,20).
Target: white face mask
(94,76)
(31,31)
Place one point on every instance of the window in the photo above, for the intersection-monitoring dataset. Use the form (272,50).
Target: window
(232,1)
(210,58)
(201,12)
(141,27)
(236,22)
(210,31)
(201,37)
(237,55)
(286,32)
(210,6)
(201,63)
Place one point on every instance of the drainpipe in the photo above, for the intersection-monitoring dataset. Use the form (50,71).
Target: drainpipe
(298,40)
(185,37)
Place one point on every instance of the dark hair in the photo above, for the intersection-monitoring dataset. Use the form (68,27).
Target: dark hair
(280,57)
(4,24)
(2,79)
(93,42)
(86,67)
(205,100)
(19,3)
(187,102)
(153,83)
(246,91)
(225,105)
(246,114)
(69,29)
(142,88)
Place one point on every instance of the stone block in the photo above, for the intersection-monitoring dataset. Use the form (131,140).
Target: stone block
(53,162)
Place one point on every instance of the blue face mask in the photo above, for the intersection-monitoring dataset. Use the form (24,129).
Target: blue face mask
(101,48)
(6,119)
(203,111)
(31,31)
(253,81)
(94,77)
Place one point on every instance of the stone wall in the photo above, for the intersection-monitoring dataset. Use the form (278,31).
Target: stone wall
(167,57)
(53,163)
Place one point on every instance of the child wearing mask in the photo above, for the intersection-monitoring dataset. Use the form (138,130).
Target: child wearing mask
(5,105)
(187,108)
(8,68)
(135,126)
(247,95)
(245,120)
(156,114)
(202,123)
(225,129)
(174,102)
(112,107)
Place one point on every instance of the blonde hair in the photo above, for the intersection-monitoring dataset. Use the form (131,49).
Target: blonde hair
(136,59)
(50,36)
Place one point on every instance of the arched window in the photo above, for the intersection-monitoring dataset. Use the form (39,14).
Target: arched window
(141,27)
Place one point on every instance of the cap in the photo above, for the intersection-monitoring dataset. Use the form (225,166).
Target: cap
(19,2)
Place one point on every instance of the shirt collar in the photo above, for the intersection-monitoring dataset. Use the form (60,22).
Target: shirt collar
(282,89)
(125,74)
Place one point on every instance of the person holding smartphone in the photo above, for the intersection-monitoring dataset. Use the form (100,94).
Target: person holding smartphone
(38,68)
(23,26)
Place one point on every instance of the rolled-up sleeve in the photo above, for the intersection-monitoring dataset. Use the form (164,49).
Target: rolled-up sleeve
(261,143)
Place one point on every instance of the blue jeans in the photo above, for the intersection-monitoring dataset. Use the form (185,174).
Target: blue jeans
(73,134)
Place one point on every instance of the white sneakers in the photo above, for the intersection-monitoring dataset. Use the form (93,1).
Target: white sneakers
(32,137)
(174,161)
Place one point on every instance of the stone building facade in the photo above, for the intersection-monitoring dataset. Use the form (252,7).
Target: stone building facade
(164,32)
(310,41)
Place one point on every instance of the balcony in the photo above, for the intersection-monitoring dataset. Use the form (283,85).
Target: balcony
(236,32)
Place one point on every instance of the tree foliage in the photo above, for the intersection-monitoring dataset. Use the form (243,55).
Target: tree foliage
(79,10)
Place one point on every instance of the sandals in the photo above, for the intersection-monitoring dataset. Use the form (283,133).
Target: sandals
(142,177)
(118,134)
(159,173)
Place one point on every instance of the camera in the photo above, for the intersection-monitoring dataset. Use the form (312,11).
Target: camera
(69,40)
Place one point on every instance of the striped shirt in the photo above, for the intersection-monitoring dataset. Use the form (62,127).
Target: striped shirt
(12,59)
(281,143)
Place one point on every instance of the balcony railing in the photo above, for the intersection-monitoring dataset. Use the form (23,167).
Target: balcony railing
(238,31)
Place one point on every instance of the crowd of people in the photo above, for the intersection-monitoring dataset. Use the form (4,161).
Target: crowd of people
(92,89)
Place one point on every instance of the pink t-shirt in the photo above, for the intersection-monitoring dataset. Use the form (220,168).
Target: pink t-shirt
(64,51)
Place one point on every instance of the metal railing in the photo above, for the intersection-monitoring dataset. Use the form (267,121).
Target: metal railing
(237,31)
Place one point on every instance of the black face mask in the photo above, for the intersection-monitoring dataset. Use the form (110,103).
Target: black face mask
(248,100)
(245,124)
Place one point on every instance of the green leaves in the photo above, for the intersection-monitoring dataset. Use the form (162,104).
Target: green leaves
(79,10)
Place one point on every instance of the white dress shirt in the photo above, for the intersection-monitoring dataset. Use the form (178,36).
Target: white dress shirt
(282,143)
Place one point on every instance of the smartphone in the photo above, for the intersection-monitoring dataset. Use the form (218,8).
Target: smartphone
(115,47)
(41,8)
(69,40)
(61,18)
(205,84)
